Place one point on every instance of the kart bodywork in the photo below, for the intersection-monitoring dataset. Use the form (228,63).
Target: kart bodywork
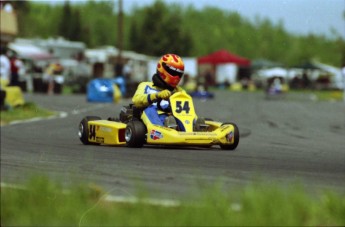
(134,128)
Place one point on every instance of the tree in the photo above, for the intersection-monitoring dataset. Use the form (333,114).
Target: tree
(23,9)
(186,31)
(64,26)
(159,32)
(75,26)
(99,23)
(70,26)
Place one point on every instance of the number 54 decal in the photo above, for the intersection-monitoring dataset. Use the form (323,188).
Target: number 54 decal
(182,106)
(92,132)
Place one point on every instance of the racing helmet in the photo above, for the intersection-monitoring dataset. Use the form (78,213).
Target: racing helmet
(170,69)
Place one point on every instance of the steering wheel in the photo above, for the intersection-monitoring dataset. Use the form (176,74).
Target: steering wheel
(162,108)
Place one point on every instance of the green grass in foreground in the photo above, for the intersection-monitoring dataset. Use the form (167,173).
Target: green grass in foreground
(26,111)
(329,95)
(44,204)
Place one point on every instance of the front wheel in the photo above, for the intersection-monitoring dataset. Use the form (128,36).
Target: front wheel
(83,132)
(135,134)
(236,138)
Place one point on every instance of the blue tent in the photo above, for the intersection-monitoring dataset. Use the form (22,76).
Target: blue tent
(102,89)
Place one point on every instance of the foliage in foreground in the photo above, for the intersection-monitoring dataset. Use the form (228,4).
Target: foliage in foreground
(44,203)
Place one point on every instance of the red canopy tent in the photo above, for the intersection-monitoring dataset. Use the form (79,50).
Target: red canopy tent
(223,57)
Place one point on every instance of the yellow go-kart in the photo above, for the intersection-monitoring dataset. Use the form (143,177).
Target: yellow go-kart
(134,128)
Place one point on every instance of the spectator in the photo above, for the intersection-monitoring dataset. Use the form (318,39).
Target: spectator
(53,70)
(305,80)
(127,71)
(5,66)
(17,67)
(5,70)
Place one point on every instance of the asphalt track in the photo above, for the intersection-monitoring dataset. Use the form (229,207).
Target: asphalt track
(294,140)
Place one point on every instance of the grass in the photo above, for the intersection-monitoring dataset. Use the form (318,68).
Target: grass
(44,204)
(335,95)
(320,95)
(67,90)
(26,111)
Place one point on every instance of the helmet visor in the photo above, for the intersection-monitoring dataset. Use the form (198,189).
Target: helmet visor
(172,70)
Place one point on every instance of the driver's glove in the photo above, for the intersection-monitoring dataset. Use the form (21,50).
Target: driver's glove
(165,94)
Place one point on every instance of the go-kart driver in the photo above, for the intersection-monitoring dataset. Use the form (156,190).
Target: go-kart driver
(170,70)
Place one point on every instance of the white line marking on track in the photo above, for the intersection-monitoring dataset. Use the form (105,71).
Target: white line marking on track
(35,119)
(95,107)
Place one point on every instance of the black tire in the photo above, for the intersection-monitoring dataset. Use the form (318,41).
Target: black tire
(236,137)
(135,134)
(83,132)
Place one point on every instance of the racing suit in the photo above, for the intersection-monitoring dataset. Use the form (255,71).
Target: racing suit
(143,98)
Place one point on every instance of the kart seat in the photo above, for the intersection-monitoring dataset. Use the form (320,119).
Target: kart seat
(129,112)
(136,111)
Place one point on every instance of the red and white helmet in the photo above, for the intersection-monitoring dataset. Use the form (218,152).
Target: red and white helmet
(171,69)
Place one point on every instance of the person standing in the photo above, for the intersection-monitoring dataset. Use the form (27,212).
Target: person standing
(53,70)
(5,67)
(5,71)
(15,65)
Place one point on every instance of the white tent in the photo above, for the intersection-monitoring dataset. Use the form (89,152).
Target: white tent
(100,54)
(190,66)
(277,71)
(29,51)
(336,79)
(226,73)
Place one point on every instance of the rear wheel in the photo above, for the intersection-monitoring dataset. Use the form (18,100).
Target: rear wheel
(83,132)
(135,134)
(236,138)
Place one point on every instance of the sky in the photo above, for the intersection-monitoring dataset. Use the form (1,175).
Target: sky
(298,16)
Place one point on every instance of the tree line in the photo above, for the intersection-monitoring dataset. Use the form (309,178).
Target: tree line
(162,27)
